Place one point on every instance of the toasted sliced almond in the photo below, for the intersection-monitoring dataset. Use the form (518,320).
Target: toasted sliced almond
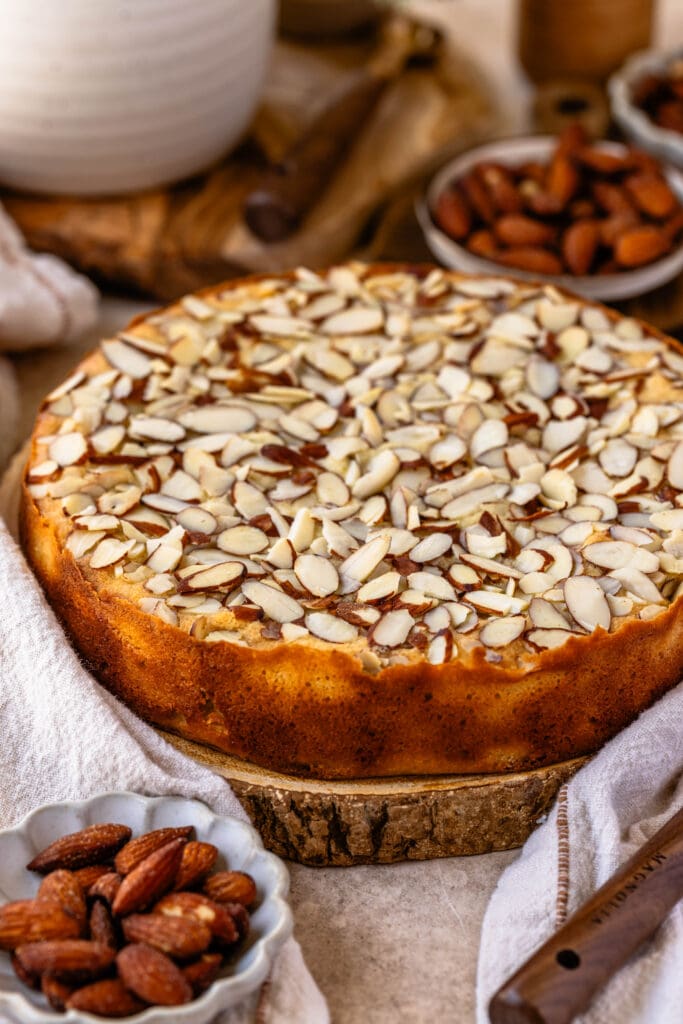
(68,449)
(501,632)
(109,551)
(242,540)
(331,628)
(392,629)
(276,604)
(363,562)
(318,575)
(587,603)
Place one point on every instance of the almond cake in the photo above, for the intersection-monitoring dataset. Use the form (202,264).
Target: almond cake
(371,521)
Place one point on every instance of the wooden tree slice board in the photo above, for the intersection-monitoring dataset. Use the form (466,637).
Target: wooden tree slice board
(380,821)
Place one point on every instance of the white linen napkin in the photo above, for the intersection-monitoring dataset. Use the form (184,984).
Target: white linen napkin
(65,738)
(600,819)
(42,300)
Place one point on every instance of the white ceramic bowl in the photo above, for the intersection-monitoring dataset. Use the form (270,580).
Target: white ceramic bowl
(634,122)
(109,96)
(603,287)
(240,848)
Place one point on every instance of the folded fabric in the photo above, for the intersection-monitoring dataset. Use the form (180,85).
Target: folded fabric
(9,411)
(66,738)
(600,819)
(42,300)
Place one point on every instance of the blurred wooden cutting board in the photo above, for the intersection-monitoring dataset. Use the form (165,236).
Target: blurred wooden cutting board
(177,239)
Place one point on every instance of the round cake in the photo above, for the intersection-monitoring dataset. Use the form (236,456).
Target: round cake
(371,521)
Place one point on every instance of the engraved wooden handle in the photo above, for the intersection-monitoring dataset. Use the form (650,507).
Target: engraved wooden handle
(561,978)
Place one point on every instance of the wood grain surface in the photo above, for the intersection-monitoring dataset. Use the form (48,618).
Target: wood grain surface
(381,821)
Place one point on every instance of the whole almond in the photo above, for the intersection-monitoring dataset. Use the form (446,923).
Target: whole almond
(215,916)
(197,861)
(231,887)
(579,245)
(563,178)
(602,162)
(62,887)
(88,876)
(572,139)
(56,992)
(640,245)
(616,224)
(152,976)
(651,194)
(534,260)
(542,203)
(30,980)
(240,916)
(203,972)
(483,243)
(34,921)
(66,959)
(137,849)
(102,928)
(181,937)
(502,189)
(515,229)
(107,998)
(150,879)
(478,197)
(106,887)
(453,214)
(611,198)
(91,845)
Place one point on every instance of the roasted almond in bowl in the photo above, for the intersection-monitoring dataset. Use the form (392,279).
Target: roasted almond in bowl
(600,218)
(156,943)
(373,520)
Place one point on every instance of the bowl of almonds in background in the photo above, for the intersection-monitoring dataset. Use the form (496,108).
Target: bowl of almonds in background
(599,218)
(646,97)
(133,906)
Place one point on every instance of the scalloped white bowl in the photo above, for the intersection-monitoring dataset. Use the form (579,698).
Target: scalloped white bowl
(597,287)
(240,849)
(634,122)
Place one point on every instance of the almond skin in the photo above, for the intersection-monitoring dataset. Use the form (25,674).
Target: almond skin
(231,887)
(107,998)
(483,243)
(203,972)
(56,992)
(35,921)
(150,879)
(478,197)
(602,162)
(640,245)
(88,876)
(535,260)
(62,887)
(150,975)
(563,178)
(453,214)
(91,845)
(134,852)
(216,916)
(102,927)
(504,193)
(579,244)
(106,887)
(178,937)
(197,861)
(30,980)
(515,229)
(613,199)
(66,959)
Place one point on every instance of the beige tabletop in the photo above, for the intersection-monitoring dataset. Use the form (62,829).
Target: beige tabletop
(392,944)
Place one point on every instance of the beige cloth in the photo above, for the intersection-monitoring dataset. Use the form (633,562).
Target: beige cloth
(601,818)
(66,738)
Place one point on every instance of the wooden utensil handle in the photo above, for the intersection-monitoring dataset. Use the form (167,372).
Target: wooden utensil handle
(276,208)
(561,978)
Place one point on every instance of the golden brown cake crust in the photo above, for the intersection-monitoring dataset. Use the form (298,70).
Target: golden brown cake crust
(312,709)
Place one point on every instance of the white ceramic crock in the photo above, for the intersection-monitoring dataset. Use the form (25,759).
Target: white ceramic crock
(110,96)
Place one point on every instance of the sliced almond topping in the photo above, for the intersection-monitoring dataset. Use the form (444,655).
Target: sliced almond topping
(107,439)
(383,469)
(68,449)
(362,563)
(127,359)
(546,615)
(501,632)
(392,629)
(548,638)
(587,603)
(441,649)
(278,606)
(432,585)
(197,520)
(618,554)
(433,546)
(242,540)
(331,628)
(637,583)
(543,378)
(318,575)
(332,490)
(117,503)
(618,457)
(109,551)
(491,434)
(218,419)
(355,320)
(155,428)
(674,468)
(382,586)
(221,575)
(494,602)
